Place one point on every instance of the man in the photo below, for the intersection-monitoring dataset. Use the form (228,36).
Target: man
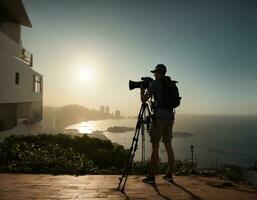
(161,126)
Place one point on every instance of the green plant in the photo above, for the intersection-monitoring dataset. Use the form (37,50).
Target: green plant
(60,154)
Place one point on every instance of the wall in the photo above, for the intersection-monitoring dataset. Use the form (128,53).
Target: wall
(9,46)
(31,111)
(13,30)
(9,91)
(8,117)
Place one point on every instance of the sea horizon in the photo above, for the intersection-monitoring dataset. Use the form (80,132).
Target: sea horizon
(215,138)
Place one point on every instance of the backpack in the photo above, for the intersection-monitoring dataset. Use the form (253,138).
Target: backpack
(170,94)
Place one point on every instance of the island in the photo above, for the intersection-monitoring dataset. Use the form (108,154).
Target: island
(120,129)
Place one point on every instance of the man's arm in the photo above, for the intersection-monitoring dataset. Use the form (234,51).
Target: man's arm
(144,95)
(148,94)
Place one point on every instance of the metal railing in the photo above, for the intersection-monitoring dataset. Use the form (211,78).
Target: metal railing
(27,57)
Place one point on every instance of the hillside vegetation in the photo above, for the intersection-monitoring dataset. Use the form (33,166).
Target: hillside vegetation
(60,154)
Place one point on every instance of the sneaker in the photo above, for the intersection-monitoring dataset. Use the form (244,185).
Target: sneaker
(168,177)
(149,179)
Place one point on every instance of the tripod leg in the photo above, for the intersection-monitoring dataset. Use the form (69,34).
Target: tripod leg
(131,161)
(133,149)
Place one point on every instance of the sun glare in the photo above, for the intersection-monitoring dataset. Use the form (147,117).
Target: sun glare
(85,74)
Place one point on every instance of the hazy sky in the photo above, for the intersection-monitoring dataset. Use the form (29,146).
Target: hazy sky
(210,47)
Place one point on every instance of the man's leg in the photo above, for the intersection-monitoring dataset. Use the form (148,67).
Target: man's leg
(154,159)
(155,134)
(170,154)
(153,166)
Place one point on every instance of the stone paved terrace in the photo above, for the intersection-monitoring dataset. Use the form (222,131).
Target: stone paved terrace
(103,187)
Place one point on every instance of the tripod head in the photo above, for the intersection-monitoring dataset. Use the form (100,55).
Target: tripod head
(145,117)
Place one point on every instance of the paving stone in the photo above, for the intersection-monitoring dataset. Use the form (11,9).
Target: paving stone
(104,187)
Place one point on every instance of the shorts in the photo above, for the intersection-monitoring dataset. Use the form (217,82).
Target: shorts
(161,129)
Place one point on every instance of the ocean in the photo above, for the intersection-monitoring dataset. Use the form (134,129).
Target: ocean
(217,140)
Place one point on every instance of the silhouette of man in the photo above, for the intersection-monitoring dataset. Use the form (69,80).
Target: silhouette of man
(161,126)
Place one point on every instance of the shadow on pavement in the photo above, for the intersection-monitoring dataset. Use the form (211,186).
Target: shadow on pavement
(126,196)
(158,192)
(194,197)
(155,188)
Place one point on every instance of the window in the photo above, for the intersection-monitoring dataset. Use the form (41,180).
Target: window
(17,78)
(37,84)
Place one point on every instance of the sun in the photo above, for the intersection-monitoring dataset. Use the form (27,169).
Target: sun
(85,74)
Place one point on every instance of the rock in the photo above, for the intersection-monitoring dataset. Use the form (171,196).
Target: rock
(119,129)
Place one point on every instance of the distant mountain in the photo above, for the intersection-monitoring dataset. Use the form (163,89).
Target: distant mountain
(57,119)
(70,114)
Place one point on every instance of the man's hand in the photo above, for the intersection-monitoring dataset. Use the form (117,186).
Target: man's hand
(142,90)
(144,96)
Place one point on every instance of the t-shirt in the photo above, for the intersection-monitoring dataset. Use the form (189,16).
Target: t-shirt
(155,90)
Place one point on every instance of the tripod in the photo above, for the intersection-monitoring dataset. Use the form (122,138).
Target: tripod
(144,117)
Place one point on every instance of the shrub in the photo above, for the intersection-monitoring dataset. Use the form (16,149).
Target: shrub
(60,154)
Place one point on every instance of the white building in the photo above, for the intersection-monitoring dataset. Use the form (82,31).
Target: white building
(102,109)
(107,110)
(20,86)
(117,114)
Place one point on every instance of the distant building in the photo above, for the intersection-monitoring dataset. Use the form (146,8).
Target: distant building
(102,109)
(107,111)
(117,114)
(21,87)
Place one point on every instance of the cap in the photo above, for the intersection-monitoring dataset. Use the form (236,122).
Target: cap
(160,67)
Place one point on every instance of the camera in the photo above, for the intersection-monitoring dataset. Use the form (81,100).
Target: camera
(145,83)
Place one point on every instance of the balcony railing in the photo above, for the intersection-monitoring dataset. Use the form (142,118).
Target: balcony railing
(27,57)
